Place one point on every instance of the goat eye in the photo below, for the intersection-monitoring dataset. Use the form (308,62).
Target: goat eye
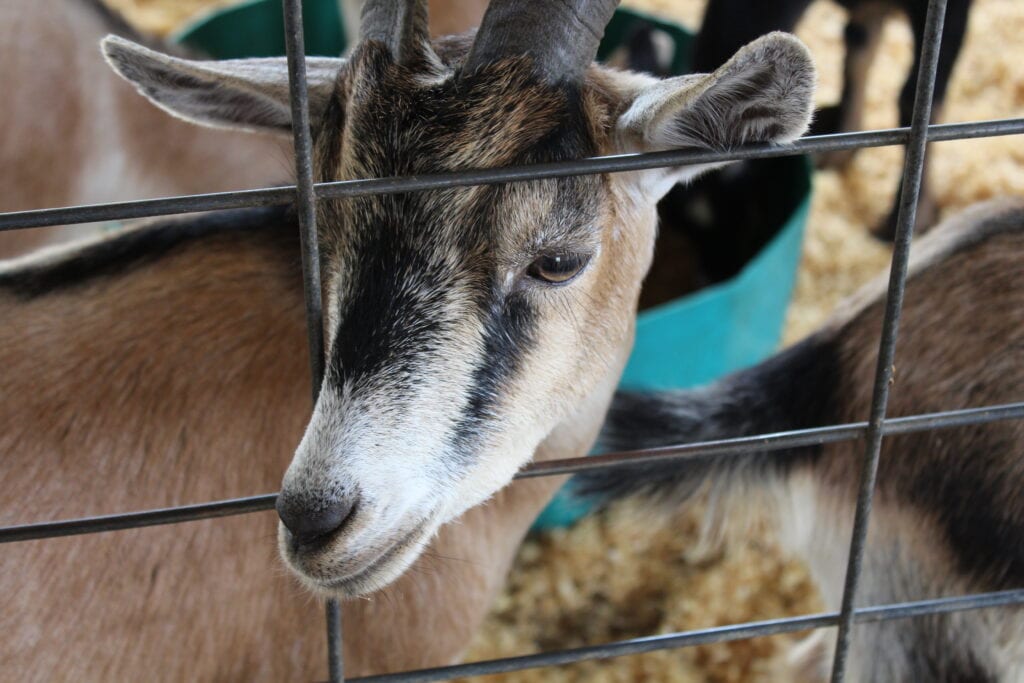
(557,268)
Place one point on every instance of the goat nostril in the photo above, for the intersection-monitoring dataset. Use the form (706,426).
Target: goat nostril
(308,523)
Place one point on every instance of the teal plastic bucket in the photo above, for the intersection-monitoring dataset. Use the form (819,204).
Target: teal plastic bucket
(256,29)
(684,343)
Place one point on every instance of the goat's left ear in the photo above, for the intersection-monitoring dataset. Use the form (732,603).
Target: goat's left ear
(765,93)
(247,94)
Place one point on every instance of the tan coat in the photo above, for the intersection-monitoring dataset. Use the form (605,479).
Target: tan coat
(75,133)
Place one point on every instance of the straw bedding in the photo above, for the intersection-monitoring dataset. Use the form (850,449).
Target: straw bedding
(618,575)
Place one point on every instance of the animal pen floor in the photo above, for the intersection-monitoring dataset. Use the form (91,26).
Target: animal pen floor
(615,576)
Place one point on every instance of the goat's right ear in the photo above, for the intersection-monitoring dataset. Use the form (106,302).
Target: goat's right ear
(248,94)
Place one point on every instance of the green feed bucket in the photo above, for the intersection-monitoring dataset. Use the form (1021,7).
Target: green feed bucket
(255,28)
(683,343)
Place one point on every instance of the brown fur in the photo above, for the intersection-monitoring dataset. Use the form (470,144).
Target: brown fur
(948,518)
(115,431)
(77,134)
(960,345)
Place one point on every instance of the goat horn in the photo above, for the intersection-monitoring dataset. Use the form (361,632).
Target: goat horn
(400,24)
(561,35)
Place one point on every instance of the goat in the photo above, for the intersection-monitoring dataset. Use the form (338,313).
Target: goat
(728,24)
(469,330)
(948,516)
(107,407)
(76,133)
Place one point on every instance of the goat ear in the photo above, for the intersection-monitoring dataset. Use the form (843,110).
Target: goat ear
(248,94)
(765,93)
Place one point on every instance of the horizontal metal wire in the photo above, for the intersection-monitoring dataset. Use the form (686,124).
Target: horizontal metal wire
(718,634)
(608,164)
(773,442)
(689,452)
(132,520)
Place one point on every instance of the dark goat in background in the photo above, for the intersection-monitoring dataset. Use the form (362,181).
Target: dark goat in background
(729,24)
(948,517)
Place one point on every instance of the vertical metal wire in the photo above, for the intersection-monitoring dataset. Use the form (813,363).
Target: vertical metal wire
(335,662)
(305,204)
(305,199)
(913,169)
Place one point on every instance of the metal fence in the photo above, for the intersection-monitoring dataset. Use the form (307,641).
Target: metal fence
(305,194)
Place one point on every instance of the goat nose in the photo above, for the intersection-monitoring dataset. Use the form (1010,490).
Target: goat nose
(309,523)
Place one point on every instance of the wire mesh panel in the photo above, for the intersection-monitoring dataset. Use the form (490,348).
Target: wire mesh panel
(305,194)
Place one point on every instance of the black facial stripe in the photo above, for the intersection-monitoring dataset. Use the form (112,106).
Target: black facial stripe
(392,316)
(509,332)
